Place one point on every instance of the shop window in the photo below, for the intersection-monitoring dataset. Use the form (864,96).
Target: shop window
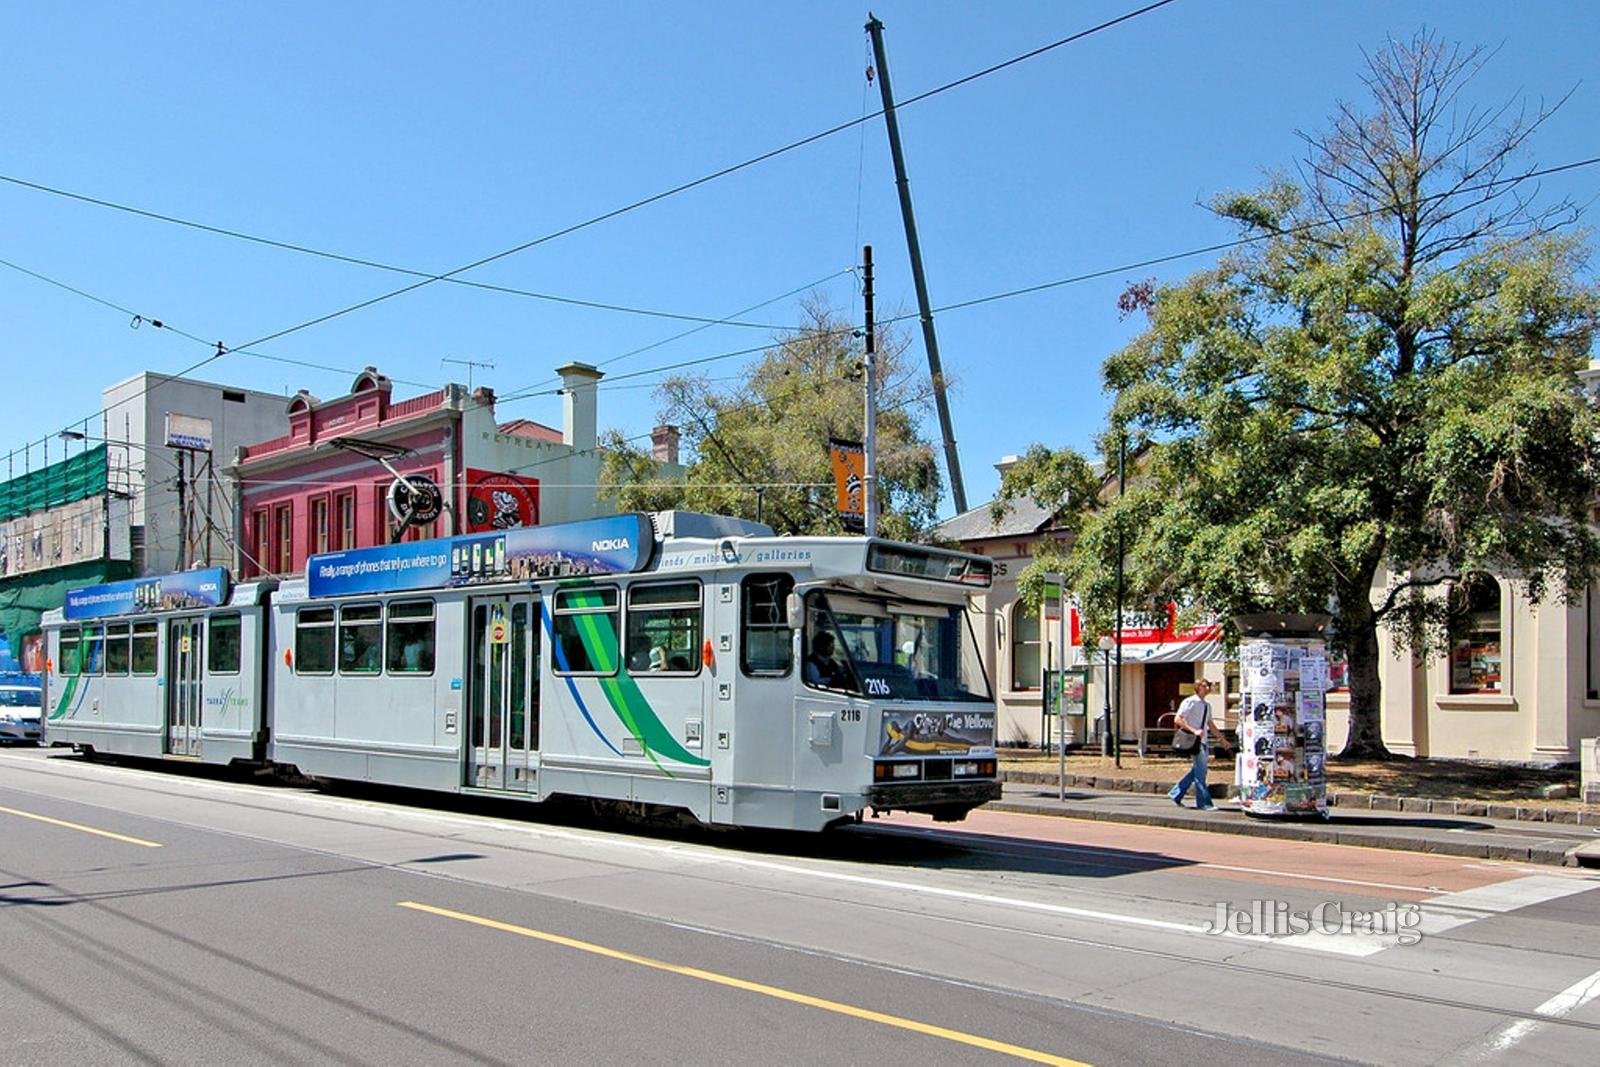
(585,623)
(313,641)
(144,647)
(767,645)
(1475,649)
(664,628)
(1025,662)
(222,653)
(361,639)
(410,637)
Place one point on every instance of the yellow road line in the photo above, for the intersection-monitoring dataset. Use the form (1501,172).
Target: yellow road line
(1018,1051)
(85,829)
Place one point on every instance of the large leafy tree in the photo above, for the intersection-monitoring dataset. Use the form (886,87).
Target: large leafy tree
(1374,397)
(760,445)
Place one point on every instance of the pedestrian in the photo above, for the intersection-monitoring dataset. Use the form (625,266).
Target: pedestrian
(1190,727)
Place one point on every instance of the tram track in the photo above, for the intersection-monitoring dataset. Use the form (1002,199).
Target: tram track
(138,781)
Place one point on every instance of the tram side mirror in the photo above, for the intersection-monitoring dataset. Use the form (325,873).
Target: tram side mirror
(793,615)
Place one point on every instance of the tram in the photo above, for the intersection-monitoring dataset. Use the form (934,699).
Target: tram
(673,660)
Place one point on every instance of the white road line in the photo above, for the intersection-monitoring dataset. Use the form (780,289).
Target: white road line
(1457,908)
(1177,863)
(1563,1003)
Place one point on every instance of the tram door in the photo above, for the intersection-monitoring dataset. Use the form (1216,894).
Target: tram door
(184,698)
(504,693)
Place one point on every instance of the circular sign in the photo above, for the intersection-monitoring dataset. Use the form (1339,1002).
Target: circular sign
(415,500)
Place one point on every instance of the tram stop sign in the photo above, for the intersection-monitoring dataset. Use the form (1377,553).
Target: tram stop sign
(497,625)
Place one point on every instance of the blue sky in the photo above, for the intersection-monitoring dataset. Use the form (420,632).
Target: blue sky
(429,136)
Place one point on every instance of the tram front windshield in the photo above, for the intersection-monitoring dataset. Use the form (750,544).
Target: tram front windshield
(892,649)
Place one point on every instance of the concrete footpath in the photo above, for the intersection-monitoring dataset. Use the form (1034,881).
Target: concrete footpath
(1455,835)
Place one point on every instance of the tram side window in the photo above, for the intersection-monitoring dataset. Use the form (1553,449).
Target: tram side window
(222,654)
(664,628)
(768,643)
(361,639)
(410,637)
(69,653)
(313,641)
(117,656)
(586,631)
(144,647)
(94,650)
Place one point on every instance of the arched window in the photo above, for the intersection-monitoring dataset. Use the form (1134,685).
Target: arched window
(1475,656)
(1024,645)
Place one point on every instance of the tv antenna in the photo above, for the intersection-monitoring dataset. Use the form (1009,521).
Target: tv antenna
(469,364)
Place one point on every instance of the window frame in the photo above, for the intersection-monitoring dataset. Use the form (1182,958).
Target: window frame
(72,635)
(261,523)
(319,529)
(212,643)
(560,609)
(303,628)
(746,627)
(1466,633)
(145,631)
(1018,609)
(374,622)
(669,608)
(283,537)
(344,520)
(390,621)
(119,633)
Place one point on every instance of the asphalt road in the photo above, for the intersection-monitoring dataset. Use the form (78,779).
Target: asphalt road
(155,916)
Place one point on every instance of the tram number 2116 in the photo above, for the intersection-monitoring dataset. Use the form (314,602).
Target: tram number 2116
(850,715)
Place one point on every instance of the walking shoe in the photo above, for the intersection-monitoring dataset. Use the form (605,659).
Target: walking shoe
(1178,800)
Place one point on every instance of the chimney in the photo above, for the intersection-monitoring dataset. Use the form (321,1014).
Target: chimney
(664,444)
(578,404)
(1006,463)
(483,396)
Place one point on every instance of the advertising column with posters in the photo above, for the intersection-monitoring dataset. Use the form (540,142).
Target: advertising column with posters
(1283,673)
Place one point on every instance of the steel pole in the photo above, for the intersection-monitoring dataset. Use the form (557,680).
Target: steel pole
(924,306)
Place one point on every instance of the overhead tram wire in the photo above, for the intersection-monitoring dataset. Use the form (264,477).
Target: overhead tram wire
(540,388)
(615,212)
(137,319)
(703,180)
(359,261)
(1107,271)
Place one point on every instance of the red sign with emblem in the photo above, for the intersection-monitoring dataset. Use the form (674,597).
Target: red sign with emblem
(497,501)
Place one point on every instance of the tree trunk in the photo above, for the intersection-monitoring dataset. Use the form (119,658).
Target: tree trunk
(1365,740)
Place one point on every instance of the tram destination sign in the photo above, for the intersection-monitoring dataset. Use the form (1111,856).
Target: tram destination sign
(616,544)
(207,588)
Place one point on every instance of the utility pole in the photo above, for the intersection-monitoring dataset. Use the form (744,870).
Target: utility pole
(1122,485)
(183,513)
(935,370)
(871,434)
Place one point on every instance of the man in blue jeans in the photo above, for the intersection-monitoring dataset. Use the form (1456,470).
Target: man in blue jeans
(1193,723)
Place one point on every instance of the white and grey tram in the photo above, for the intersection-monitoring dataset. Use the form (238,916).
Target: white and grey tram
(674,660)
